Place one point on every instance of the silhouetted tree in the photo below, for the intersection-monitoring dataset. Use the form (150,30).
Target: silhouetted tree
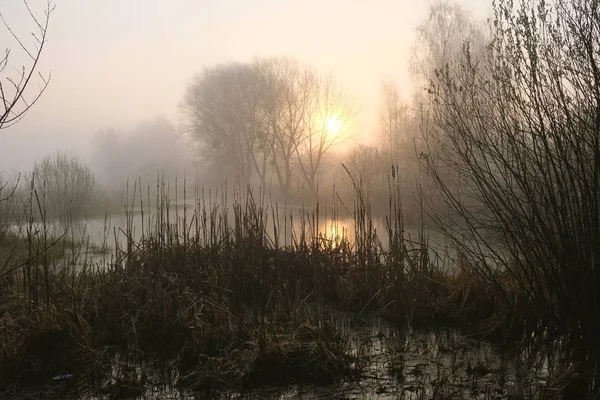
(522,136)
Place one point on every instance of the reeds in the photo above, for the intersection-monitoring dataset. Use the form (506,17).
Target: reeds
(224,281)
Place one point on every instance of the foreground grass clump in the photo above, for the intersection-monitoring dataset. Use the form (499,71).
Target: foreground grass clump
(308,355)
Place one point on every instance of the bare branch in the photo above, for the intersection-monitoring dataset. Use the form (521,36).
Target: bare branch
(17,106)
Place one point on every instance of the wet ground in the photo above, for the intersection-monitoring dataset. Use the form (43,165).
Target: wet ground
(399,364)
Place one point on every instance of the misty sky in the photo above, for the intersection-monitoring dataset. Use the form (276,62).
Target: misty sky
(120,62)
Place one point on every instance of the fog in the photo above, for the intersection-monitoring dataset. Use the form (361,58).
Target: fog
(301,99)
(118,65)
(221,195)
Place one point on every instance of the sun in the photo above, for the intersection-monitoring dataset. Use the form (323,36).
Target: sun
(333,125)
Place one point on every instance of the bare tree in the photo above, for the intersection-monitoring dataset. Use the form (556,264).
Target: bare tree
(223,115)
(448,37)
(328,121)
(398,133)
(392,119)
(524,140)
(8,204)
(14,101)
(287,90)
(273,118)
(442,36)
(68,185)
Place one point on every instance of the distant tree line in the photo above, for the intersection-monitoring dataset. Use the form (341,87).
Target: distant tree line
(150,150)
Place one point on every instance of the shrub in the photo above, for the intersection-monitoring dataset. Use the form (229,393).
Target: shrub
(67,183)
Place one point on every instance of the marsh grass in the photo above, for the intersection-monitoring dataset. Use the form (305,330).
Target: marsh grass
(232,290)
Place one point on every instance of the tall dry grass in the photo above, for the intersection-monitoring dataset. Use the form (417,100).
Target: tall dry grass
(231,288)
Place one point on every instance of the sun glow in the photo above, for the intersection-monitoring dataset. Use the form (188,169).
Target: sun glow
(333,125)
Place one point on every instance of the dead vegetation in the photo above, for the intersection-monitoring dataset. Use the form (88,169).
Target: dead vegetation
(228,300)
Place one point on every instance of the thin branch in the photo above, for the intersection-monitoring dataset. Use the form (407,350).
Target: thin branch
(10,115)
